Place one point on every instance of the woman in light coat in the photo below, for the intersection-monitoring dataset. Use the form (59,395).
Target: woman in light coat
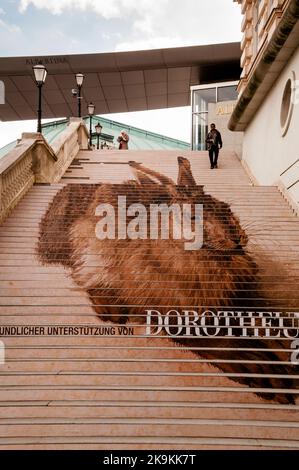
(123,140)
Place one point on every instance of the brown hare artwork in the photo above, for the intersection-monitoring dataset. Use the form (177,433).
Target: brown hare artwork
(125,277)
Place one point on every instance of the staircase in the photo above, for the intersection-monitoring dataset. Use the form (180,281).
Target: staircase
(112,386)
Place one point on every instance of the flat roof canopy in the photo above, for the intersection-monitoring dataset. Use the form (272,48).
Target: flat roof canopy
(115,82)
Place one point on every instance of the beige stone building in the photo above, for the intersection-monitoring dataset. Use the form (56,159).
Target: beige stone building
(261,17)
(268,94)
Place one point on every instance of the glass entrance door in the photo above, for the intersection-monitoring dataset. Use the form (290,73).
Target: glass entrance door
(200,111)
(202,97)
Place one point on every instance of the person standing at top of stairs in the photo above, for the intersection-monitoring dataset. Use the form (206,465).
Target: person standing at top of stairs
(123,140)
(214,144)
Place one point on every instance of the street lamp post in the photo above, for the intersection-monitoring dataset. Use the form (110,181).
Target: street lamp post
(40,74)
(79,81)
(91,108)
(98,129)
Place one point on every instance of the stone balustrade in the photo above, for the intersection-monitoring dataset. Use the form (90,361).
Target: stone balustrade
(288,185)
(33,160)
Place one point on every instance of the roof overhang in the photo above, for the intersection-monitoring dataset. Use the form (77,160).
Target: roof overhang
(115,82)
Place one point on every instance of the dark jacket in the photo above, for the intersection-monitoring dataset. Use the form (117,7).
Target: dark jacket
(214,139)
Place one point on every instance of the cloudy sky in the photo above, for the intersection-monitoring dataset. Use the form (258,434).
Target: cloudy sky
(40,27)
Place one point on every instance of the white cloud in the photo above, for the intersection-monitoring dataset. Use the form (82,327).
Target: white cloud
(106,36)
(11,28)
(106,8)
(190,22)
(166,23)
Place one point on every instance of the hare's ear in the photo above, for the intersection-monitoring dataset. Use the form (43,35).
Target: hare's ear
(142,178)
(185,177)
(146,175)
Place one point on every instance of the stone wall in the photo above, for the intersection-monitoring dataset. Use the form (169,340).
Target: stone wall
(220,113)
(34,161)
(271,146)
(261,17)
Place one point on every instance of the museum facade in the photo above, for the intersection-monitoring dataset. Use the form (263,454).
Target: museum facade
(267,108)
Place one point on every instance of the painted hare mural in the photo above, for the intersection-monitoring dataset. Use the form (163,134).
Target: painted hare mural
(125,277)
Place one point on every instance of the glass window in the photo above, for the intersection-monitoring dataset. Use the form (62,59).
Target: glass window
(202,98)
(227,93)
(287,104)
(199,131)
(257,25)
